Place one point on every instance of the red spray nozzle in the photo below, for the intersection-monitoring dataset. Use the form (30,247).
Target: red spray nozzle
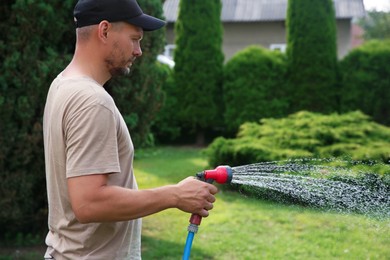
(222,174)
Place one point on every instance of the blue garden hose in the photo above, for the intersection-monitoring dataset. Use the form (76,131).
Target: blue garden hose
(187,248)
(221,174)
(192,230)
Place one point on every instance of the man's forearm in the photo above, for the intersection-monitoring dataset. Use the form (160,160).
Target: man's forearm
(94,201)
(113,203)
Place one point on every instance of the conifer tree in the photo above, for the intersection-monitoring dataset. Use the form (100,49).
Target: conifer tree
(198,65)
(312,55)
(39,43)
(36,46)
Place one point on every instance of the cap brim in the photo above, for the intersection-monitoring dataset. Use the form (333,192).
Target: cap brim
(147,22)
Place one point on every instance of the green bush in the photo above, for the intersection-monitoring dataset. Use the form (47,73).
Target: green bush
(347,148)
(253,86)
(366,80)
(304,135)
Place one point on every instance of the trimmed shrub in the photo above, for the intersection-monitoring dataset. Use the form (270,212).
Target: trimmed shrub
(366,80)
(305,144)
(253,86)
(304,135)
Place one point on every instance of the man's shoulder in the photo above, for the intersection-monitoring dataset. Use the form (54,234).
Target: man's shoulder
(83,89)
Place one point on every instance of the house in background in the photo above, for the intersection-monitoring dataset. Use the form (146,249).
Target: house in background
(357,35)
(263,22)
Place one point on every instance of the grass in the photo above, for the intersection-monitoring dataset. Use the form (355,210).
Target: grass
(246,228)
(240,227)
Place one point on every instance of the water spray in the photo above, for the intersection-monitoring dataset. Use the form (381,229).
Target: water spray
(222,175)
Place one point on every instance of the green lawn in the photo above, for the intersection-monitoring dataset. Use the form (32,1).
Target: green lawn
(240,227)
(247,228)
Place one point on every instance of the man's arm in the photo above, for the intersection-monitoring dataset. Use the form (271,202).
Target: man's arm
(94,201)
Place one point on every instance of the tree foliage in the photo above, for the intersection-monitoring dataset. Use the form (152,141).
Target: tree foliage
(376,25)
(198,63)
(38,44)
(312,55)
(167,126)
(34,49)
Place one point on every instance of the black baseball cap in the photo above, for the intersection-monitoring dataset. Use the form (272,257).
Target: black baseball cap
(89,12)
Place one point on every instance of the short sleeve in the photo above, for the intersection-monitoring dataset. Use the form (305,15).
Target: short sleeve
(91,142)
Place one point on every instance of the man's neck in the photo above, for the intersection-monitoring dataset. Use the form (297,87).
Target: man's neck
(82,67)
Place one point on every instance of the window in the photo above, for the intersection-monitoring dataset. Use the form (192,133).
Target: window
(167,56)
(278,46)
(169,50)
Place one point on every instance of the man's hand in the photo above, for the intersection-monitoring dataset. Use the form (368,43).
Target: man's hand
(196,196)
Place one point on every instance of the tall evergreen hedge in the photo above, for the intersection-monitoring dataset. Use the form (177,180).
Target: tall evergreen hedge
(312,55)
(254,86)
(198,64)
(36,44)
(34,47)
(366,80)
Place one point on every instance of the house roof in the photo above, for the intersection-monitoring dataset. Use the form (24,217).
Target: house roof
(264,10)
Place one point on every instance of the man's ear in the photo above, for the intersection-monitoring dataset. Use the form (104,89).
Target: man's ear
(103,29)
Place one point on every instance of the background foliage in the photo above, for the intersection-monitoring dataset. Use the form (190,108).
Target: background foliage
(254,86)
(140,96)
(312,55)
(199,62)
(167,127)
(38,44)
(376,25)
(31,55)
(366,80)
(304,135)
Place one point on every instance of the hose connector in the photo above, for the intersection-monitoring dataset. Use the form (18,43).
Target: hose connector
(193,228)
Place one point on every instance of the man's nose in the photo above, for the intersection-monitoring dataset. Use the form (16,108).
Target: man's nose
(137,52)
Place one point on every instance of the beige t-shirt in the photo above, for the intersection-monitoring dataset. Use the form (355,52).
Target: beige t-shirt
(84,133)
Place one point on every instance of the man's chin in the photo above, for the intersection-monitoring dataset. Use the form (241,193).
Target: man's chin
(120,71)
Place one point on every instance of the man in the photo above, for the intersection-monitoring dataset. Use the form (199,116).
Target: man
(94,205)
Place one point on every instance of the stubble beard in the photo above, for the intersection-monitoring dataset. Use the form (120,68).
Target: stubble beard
(118,68)
(120,71)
